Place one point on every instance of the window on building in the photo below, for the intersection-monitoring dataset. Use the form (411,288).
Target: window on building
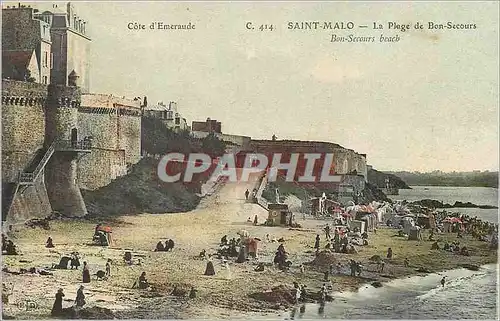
(45,59)
(51,60)
(45,80)
(177,120)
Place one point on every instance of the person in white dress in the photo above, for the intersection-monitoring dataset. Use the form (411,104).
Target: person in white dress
(228,271)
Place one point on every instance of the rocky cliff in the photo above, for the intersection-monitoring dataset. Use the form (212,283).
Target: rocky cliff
(377,178)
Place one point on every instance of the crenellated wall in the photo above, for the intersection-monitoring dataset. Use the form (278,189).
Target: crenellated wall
(61,170)
(23,125)
(243,141)
(34,115)
(115,126)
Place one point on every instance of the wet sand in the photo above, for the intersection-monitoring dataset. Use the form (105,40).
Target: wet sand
(219,296)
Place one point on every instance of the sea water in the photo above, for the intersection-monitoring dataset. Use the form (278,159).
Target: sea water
(450,195)
(466,295)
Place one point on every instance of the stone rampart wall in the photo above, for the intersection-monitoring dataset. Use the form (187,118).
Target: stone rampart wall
(100,168)
(23,125)
(345,160)
(30,202)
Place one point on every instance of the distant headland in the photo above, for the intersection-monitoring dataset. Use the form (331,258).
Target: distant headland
(456,179)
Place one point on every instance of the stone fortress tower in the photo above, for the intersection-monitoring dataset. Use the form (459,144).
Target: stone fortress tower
(57,138)
(62,134)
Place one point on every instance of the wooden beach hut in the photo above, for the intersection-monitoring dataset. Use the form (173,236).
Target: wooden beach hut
(278,214)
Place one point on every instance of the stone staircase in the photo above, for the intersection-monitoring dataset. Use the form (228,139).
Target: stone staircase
(28,177)
(261,185)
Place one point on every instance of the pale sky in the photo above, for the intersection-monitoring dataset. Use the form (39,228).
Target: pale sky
(428,102)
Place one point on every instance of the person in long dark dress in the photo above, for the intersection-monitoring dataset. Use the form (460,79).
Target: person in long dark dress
(159,247)
(171,244)
(389,253)
(210,268)
(4,243)
(143,282)
(80,297)
(57,307)
(242,256)
(86,273)
(108,268)
(49,243)
(316,244)
(75,260)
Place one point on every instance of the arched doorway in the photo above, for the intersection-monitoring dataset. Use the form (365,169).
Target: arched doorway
(74,136)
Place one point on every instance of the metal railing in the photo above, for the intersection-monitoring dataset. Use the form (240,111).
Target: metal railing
(30,177)
(26,177)
(73,145)
(65,145)
(44,160)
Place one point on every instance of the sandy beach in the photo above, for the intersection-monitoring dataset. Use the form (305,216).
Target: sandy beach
(225,295)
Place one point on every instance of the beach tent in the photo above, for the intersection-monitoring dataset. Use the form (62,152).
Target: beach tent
(452,224)
(452,220)
(395,219)
(381,214)
(447,227)
(369,219)
(102,236)
(360,225)
(415,234)
(423,220)
(408,223)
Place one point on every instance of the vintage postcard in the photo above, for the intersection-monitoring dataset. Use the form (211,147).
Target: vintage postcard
(250,160)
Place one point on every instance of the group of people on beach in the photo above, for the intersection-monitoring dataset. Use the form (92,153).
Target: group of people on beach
(300,292)
(169,246)
(247,194)
(57,308)
(474,226)
(337,240)
(340,242)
